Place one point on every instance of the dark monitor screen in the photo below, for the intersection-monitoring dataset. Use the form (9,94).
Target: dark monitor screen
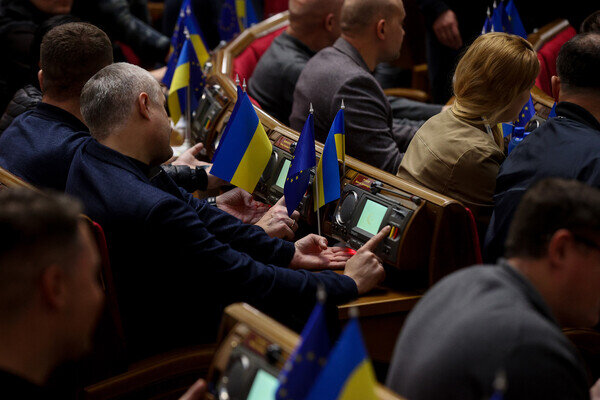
(371,217)
(280,183)
(263,387)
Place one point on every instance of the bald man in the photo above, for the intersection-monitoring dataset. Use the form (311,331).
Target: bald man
(314,25)
(371,33)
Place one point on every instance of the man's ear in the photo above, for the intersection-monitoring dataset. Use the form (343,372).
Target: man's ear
(558,247)
(329,22)
(41,79)
(555,83)
(52,287)
(381,29)
(144,105)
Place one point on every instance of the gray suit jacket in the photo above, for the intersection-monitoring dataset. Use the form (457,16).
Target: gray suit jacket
(337,73)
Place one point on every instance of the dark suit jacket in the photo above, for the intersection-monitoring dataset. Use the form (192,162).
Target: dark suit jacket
(339,73)
(40,144)
(177,261)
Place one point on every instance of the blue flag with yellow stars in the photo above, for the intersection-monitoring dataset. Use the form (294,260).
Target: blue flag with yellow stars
(229,25)
(307,360)
(526,113)
(188,76)
(186,21)
(298,175)
(512,21)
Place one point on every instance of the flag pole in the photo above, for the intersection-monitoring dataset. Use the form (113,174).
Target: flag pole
(343,107)
(188,116)
(316,186)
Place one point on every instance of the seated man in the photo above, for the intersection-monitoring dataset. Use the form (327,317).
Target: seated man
(488,320)
(50,295)
(177,261)
(314,25)
(371,33)
(562,147)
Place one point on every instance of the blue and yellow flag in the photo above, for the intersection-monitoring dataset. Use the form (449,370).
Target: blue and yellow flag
(298,175)
(307,360)
(552,113)
(236,15)
(188,76)
(348,374)
(327,182)
(512,21)
(245,149)
(526,113)
(188,21)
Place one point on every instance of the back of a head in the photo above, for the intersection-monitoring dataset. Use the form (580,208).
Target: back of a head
(70,54)
(494,70)
(109,97)
(358,15)
(591,23)
(578,64)
(37,230)
(307,16)
(548,206)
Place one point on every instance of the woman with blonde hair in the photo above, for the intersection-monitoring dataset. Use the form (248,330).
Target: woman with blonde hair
(459,151)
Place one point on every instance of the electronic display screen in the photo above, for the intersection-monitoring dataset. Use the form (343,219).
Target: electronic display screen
(371,217)
(263,387)
(280,183)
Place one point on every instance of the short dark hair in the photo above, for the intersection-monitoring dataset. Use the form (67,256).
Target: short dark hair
(71,54)
(578,62)
(36,230)
(548,206)
(591,23)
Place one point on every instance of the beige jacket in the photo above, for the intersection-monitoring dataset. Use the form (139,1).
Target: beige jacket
(454,158)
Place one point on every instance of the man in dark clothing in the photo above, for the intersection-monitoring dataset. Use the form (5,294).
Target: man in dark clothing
(371,33)
(177,261)
(19,20)
(314,25)
(489,321)
(565,146)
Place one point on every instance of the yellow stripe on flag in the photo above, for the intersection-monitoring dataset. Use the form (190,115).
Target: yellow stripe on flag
(174,107)
(339,146)
(361,383)
(254,161)
(240,8)
(199,48)
(181,79)
(320,195)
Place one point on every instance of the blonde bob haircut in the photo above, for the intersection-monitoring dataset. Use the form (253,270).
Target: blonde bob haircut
(494,70)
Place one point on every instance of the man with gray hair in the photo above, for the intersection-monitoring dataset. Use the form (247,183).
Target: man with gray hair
(371,33)
(314,25)
(178,261)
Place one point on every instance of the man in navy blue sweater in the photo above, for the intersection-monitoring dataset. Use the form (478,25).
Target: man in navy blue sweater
(177,261)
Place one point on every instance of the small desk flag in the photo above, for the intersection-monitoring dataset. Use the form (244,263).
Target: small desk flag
(526,113)
(328,171)
(188,76)
(298,175)
(552,111)
(307,360)
(512,21)
(497,17)
(245,149)
(348,374)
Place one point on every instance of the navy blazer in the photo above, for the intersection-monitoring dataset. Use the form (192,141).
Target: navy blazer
(564,147)
(177,261)
(40,144)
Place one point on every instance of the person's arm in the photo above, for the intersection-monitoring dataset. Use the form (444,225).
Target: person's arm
(147,42)
(369,136)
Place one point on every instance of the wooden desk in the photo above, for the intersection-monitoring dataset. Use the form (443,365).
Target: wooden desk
(381,315)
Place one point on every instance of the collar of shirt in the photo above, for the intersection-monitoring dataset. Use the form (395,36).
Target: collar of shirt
(57,113)
(577,113)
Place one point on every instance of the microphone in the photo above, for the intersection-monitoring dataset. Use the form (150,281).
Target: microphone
(377,187)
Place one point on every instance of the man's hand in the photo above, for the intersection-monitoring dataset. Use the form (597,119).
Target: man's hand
(312,253)
(189,158)
(446,29)
(365,267)
(196,391)
(277,223)
(241,205)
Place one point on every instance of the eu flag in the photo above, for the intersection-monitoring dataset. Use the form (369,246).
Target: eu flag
(188,76)
(512,20)
(245,149)
(526,113)
(298,175)
(348,374)
(328,171)
(497,18)
(487,25)
(307,360)
(188,21)
(229,25)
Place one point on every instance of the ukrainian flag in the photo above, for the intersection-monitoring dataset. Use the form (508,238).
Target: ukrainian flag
(328,173)
(188,21)
(188,74)
(245,149)
(348,374)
